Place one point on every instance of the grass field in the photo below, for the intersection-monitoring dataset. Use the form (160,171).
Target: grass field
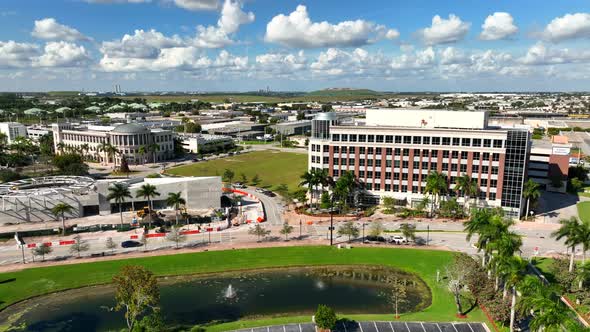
(584,211)
(16,286)
(273,167)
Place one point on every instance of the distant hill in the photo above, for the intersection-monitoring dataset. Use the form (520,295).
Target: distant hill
(344,92)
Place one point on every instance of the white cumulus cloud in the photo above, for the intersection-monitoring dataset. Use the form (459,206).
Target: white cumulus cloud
(16,55)
(142,44)
(444,31)
(499,25)
(197,4)
(298,30)
(569,26)
(539,54)
(50,29)
(231,18)
(62,54)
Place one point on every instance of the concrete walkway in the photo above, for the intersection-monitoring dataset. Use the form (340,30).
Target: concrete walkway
(373,326)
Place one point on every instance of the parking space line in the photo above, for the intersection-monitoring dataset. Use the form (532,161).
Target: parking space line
(376,328)
(360,326)
(423,328)
(391,327)
(471,328)
(453,325)
(438,327)
(300,330)
(345,330)
(407,327)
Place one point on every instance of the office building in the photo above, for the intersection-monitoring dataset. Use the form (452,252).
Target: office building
(549,163)
(394,150)
(128,138)
(204,143)
(12,130)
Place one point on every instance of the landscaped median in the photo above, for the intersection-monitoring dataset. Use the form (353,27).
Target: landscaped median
(17,286)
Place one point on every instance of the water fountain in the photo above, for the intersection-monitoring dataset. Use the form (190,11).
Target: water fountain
(230,293)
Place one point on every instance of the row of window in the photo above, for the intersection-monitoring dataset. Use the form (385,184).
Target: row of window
(492,183)
(429,140)
(424,165)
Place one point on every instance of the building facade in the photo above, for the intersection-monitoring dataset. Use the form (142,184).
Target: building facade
(135,142)
(549,163)
(12,130)
(394,150)
(205,143)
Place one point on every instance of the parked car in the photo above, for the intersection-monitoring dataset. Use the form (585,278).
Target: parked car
(239,185)
(130,244)
(398,239)
(269,193)
(260,190)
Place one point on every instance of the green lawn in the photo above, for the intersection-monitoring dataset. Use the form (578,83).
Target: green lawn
(273,167)
(16,286)
(584,211)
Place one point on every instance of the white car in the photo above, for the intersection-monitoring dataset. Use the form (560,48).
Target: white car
(398,239)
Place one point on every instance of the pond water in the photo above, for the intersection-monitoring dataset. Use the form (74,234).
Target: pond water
(186,301)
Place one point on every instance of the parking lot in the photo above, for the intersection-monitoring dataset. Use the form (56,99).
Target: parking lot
(378,327)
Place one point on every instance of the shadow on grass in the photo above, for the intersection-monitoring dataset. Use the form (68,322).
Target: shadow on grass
(7,281)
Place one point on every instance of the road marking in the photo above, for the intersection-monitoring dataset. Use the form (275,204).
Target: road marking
(423,328)
(471,328)
(391,327)
(360,326)
(376,328)
(454,327)
(438,327)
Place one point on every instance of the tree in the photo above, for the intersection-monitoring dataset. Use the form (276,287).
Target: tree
(308,180)
(243,177)
(456,277)
(468,186)
(153,148)
(112,152)
(175,200)
(110,244)
(286,230)
(59,211)
(348,229)
(572,230)
(259,231)
(148,191)
(436,185)
(175,236)
(228,175)
(514,275)
(42,250)
(70,164)
(398,293)
(137,293)
(408,230)
(583,274)
(531,191)
(142,152)
(376,228)
(325,317)
(255,180)
(79,246)
(118,192)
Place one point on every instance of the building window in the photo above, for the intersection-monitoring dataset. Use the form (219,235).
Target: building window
(388,151)
(351,150)
(456,141)
(370,150)
(377,186)
(495,156)
(370,162)
(445,167)
(343,149)
(396,176)
(453,167)
(388,163)
(361,174)
(406,152)
(350,162)
(417,139)
(455,154)
(436,141)
(336,161)
(486,156)
(416,164)
(426,140)
(378,163)
(352,138)
(362,150)
(397,151)
(465,141)
(387,187)
(474,168)
(415,177)
(407,139)
(404,176)
(405,164)
(434,153)
(379,138)
(463,168)
(415,189)
(362,138)
(389,139)
(396,163)
(336,137)
(446,141)
(476,142)
(344,137)
(487,143)
(433,166)
(336,149)
(361,162)
(497,143)
(445,154)
(371,138)
(378,151)
(395,187)
(476,155)
(398,139)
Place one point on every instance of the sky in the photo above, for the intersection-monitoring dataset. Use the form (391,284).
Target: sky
(285,45)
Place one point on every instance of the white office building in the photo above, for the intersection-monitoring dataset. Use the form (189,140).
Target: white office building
(12,130)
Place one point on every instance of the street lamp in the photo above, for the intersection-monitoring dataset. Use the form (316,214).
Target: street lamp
(300,226)
(332,220)
(427,234)
(364,232)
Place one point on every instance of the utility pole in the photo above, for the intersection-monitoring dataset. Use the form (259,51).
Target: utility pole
(332,221)
(300,226)
(363,232)
(427,234)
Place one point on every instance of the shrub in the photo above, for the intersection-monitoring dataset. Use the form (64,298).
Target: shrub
(325,317)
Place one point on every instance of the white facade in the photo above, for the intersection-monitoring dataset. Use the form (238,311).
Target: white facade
(202,143)
(12,130)
(427,118)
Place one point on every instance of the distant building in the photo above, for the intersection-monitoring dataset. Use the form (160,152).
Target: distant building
(300,127)
(205,143)
(395,150)
(128,138)
(12,130)
(35,132)
(549,160)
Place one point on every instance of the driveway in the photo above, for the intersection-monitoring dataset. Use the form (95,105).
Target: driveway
(555,206)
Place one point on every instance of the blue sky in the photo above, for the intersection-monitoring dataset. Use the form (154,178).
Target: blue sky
(242,45)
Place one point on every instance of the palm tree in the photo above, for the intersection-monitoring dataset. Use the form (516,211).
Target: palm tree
(112,152)
(539,301)
(60,210)
(515,274)
(436,185)
(148,192)
(584,238)
(142,151)
(572,230)
(60,147)
(531,191)
(307,179)
(175,200)
(468,186)
(84,149)
(118,192)
(104,147)
(153,148)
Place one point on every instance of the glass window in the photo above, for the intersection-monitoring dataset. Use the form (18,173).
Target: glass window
(389,139)
(487,143)
(436,141)
(388,151)
(344,137)
(417,140)
(465,141)
(352,137)
(446,141)
(362,138)
(476,142)
(497,143)
(379,138)
(456,141)
(336,137)
(398,139)
(371,138)
(378,151)
(362,150)
(407,139)
(426,140)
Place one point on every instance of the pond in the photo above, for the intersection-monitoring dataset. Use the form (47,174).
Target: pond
(190,300)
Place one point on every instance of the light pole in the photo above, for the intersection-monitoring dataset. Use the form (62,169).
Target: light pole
(300,226)
(332,221)
(364,232)
(427,234)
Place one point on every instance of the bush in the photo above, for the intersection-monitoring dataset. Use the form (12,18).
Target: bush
(7,175)
(325,317)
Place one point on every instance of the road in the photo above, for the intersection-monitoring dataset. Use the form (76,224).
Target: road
(273,207)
